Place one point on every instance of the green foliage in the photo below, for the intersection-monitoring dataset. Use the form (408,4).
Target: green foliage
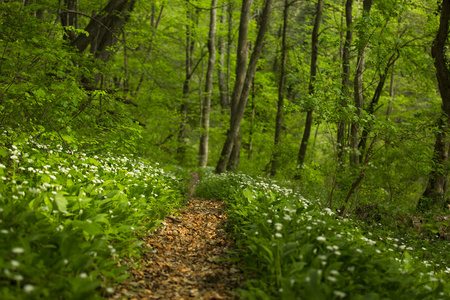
(66,218)
(41,89)
(297,250)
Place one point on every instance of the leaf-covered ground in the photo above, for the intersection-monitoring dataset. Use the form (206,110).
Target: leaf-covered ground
(187,259)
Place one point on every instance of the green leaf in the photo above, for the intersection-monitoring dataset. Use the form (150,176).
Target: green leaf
(61,202)
(94,162)
(45,178)
(3,152)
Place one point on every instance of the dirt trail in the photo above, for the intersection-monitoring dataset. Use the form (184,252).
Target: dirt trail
(183,260)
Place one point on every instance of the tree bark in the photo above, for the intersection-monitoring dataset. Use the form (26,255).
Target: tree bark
(311,88)
(374,102)
(341,141)
(189,51)
(434,194)
(223,87)
(252,123)
(358,86)
(204,137)
(154,24)
(391,93)
(233,162)
(69,19)
(104,28)
(241,68)
(280,104)
(242,89)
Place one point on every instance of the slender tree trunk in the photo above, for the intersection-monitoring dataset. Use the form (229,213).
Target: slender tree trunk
(280,104)
(223,87)
(374,102)
(357,181)
(241,69)
(239,103)
(204,137)
(229,45)
(341,127)
(341,34)
(252,122)
(189,50)
(434,194)
(242,54)
(311,88)
(154,24)
(391,93)
(70,19)
(358,86)
(126,79)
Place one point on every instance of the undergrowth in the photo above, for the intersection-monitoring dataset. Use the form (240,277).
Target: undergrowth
(296,249)
(66,218)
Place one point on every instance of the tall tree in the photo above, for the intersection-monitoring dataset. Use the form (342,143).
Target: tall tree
(280,104)
(224,62)
(192,18)
(244,75)
(345,89)
(358,83)
(155,19)
(203,149)
(312,79)
(434,194)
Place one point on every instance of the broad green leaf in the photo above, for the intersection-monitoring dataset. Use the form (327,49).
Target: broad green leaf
(45,178)
(61,202)
(3,152)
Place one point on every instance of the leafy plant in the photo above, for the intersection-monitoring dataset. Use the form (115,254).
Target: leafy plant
(295,249)
(66,218)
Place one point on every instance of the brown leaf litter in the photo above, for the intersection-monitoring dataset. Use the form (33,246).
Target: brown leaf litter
(186,260)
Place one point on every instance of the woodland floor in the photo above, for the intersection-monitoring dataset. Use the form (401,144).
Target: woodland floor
(187,259)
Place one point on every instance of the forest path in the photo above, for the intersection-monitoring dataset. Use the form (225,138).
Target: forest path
(186,260)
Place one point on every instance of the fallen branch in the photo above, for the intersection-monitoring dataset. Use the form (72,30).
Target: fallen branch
(174,220)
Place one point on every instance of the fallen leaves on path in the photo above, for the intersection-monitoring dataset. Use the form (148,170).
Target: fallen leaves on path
(186,260)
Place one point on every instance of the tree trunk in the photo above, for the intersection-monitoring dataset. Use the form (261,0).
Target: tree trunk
(279,117)
(434,194)
(189,50)
(233,162)
(358,86)
(374,102)
(341,140)
(70,19)
(241,67)
(311,88)
(242,89)
(223,87)
(103,29)
(252,123)
(204,137)
(391,94)
(154,24)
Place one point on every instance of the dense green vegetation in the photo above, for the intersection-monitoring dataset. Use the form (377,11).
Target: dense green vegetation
(94,94)
(66,218)
(296,249)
